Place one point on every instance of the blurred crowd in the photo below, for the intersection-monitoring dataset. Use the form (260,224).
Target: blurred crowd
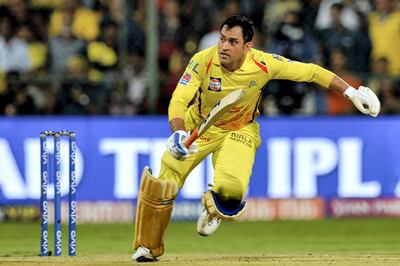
(78,57)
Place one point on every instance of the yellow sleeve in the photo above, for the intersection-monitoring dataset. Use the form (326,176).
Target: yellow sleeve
(186,88)
(282,68)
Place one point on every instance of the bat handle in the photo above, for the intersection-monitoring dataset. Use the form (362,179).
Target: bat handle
(193,136)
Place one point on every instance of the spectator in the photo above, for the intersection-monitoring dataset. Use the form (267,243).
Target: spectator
(118,105)
(14,54)
(355,44)
(103,54)
(18,10)
(254,10)
(16,101)
(196,18)
(390,97)
(349,17)
(38,51)
(336,103)
(175,73)
(46,4)
(137,77)
(293,42)
(77,96)
(385,87)
(275,10)
(211,38)
(85,23)
(113,12)
(169,30)
(47,39)
(384,29)
(379,73)
(309,14)
(63,46)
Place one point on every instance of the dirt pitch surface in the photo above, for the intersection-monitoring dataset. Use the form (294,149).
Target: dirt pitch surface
(309,260)
(353,242)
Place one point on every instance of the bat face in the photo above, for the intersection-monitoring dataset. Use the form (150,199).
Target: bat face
(220,108)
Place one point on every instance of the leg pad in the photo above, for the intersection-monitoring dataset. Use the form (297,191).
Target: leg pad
(153,212)
(223,209)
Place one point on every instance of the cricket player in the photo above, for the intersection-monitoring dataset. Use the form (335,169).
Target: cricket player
(232,140)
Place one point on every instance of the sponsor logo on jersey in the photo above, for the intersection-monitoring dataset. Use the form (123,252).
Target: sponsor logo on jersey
(277,57)
(185,79)
(252,83)
(193,66)
(245,140)
(215,84)
(235,109)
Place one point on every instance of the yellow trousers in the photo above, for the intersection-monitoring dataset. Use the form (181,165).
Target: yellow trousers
(233,154)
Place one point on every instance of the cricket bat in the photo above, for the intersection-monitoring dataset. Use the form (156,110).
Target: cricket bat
(223,106)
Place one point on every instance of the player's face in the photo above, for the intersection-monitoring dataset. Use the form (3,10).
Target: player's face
(231,47)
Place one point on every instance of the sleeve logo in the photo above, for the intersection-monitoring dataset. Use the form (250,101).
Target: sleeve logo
(277,57)
(252,83)
(185,79)
(215,84)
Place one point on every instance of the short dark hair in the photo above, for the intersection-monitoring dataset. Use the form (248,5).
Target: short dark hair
(338,6)
(242,21)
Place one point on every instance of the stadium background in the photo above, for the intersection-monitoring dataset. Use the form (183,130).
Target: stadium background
(98,57)
(93,67)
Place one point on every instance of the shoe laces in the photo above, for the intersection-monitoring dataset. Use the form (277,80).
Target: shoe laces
(214,220)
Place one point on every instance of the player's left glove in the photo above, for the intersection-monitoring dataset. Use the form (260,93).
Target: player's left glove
(176,145)
(364,99)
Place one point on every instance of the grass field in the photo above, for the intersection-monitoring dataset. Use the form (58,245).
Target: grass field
(327,242)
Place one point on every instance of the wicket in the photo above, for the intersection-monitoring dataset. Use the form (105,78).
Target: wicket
(44,180)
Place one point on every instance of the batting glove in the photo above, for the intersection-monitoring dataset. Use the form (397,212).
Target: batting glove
(364,99)
(176,145)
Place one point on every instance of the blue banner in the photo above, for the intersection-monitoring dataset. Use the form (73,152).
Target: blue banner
(299,157)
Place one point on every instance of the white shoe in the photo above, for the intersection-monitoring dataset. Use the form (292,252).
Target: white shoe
(206,225)
(143,254)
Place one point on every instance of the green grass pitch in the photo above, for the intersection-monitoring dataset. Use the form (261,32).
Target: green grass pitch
(326,242)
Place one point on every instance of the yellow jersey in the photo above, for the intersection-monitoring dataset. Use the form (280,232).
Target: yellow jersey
(385,36)
(205,81)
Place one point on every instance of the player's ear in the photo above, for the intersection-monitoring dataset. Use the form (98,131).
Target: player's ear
(248,46)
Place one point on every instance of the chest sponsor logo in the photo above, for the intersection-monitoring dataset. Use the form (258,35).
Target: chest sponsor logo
(185,79)
(215,84)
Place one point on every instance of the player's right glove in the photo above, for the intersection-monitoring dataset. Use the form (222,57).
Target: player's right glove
(364,99)
(176,145)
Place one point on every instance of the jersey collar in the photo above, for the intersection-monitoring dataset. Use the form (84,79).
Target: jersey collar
(245,66)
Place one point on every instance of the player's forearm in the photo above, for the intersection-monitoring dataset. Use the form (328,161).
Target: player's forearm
(338,84)
(177,124)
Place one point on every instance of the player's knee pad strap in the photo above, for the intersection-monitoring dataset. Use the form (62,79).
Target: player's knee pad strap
(154,208)
(223,209)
